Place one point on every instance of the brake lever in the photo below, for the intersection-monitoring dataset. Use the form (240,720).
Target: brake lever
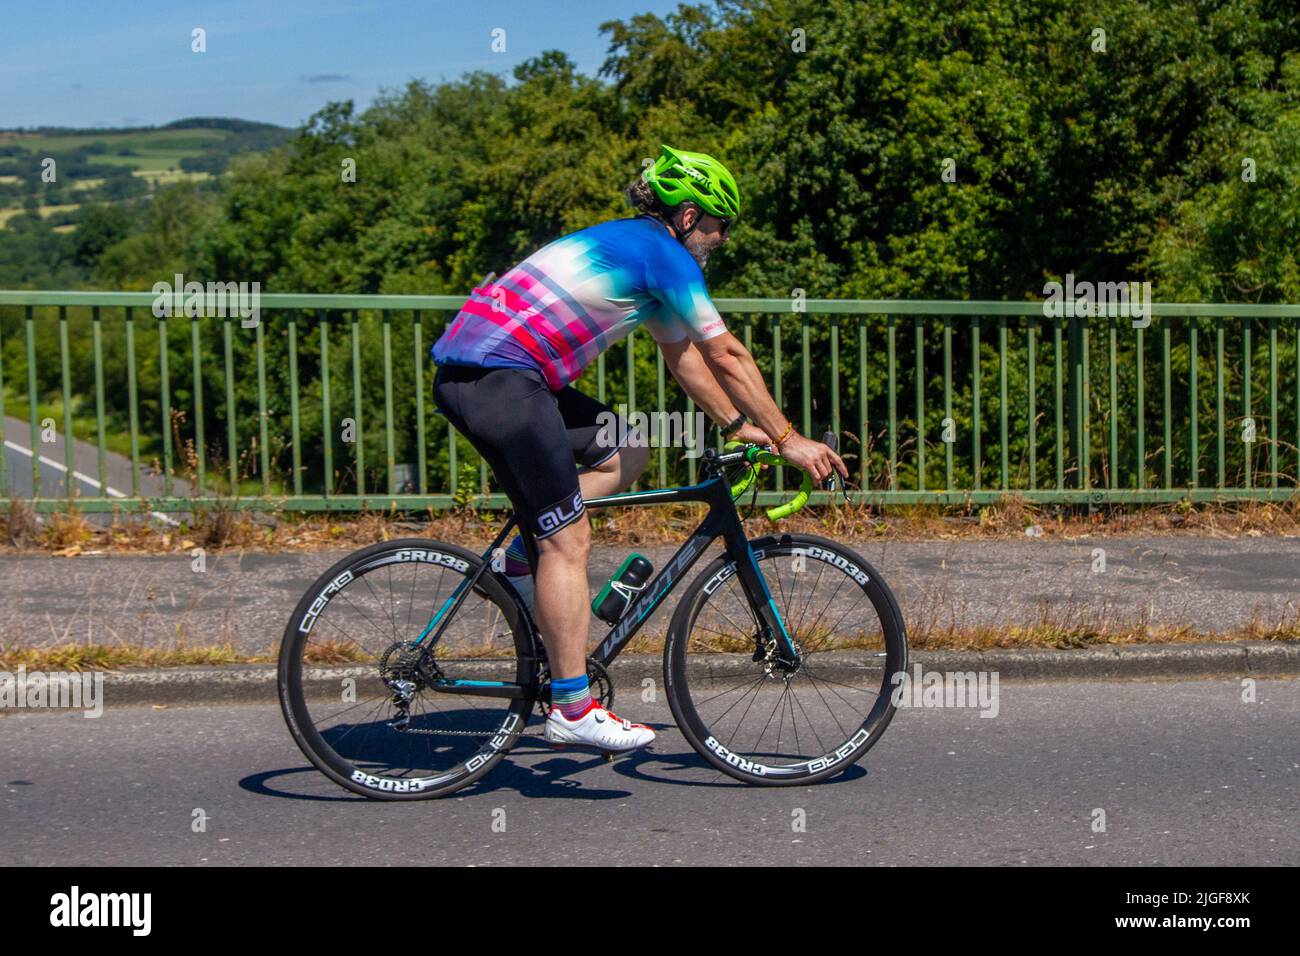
(831,442)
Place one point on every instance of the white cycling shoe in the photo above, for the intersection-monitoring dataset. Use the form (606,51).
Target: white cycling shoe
(599,728)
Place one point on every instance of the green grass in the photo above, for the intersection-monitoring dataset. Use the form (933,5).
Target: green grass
(46,211)
(150,161)
(165,176)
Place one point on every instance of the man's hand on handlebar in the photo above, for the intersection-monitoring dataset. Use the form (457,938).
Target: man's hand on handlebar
(813,457)
(751,434)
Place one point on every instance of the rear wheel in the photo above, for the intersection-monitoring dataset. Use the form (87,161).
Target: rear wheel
(738,708)
(374,713)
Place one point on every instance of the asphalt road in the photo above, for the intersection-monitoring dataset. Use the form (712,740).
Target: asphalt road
(52,464)
(1187,773)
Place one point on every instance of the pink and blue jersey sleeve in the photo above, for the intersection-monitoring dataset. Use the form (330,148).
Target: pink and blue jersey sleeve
(687,312)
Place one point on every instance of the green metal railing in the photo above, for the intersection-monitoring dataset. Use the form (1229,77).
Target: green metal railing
(315,406)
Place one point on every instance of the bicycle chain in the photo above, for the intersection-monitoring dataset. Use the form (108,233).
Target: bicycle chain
(449,733)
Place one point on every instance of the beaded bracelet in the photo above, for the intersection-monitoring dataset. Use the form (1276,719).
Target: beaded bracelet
(784,435)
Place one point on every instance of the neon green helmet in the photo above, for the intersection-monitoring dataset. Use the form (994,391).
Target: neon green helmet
(679,176)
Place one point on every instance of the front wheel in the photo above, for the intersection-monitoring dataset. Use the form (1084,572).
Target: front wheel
(757,721)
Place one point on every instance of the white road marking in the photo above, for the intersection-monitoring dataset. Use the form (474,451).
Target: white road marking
(113,492)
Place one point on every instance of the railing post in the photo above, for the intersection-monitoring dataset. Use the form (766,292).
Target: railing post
(1112,329)
(1166,340)
(262,436)
(1141,412)
(776,383)
(69,449)
(835,375)
(96,335)
(358,409)
(893,405)
(196,368)
(390,451)
(1031,390)
(977,462)
(417,339)
(1074,396)
(34,413)
(327,427)
(1247,366)
(1002,395)
(295,423)
(805,382)
(947,403)
(1060,396)
(1193,398)
(864,427)
(232,444)
(1273,432)
(919,337)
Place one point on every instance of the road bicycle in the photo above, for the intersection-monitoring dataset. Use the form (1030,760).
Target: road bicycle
(410,668)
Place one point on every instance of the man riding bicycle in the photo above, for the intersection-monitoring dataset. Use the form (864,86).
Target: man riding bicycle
(505,368)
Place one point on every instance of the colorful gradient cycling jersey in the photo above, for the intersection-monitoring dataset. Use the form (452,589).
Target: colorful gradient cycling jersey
(570,300)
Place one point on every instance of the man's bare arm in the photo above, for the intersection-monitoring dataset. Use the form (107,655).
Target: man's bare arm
(721,376)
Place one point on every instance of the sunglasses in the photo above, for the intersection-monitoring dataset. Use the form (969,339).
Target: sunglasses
(724,225)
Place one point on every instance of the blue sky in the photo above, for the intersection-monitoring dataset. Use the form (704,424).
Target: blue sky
(128,62)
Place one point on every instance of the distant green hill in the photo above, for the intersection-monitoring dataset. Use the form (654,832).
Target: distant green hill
(117,165)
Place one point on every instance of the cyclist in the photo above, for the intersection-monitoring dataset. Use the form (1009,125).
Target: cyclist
(505,367)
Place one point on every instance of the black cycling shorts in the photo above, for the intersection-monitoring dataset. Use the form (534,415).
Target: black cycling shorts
(533,439)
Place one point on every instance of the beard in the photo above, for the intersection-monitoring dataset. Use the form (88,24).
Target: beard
(699,253)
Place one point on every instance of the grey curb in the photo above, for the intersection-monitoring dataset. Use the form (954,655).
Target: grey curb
(255,683)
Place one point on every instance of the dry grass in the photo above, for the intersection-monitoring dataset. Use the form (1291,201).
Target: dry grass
(80,657)
(1047,634)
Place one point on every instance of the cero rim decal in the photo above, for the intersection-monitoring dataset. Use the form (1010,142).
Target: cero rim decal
(727,571)
(420,784)
(422,555)
(809,766)
(812,551)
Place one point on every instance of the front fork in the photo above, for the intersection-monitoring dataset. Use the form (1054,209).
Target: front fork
(774,642)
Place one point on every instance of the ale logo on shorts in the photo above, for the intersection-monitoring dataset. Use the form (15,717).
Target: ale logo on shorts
(554,518)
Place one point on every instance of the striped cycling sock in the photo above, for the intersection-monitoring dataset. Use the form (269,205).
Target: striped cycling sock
(572,695)
(517,558)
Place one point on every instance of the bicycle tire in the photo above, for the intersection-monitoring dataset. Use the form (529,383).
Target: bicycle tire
(687,685)
(293,680)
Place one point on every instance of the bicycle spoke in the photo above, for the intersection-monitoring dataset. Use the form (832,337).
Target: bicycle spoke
(821,569)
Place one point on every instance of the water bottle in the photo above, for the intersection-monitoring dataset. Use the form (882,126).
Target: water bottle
(628,581)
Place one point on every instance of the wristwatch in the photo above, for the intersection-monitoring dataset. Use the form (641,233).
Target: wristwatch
(738,423)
